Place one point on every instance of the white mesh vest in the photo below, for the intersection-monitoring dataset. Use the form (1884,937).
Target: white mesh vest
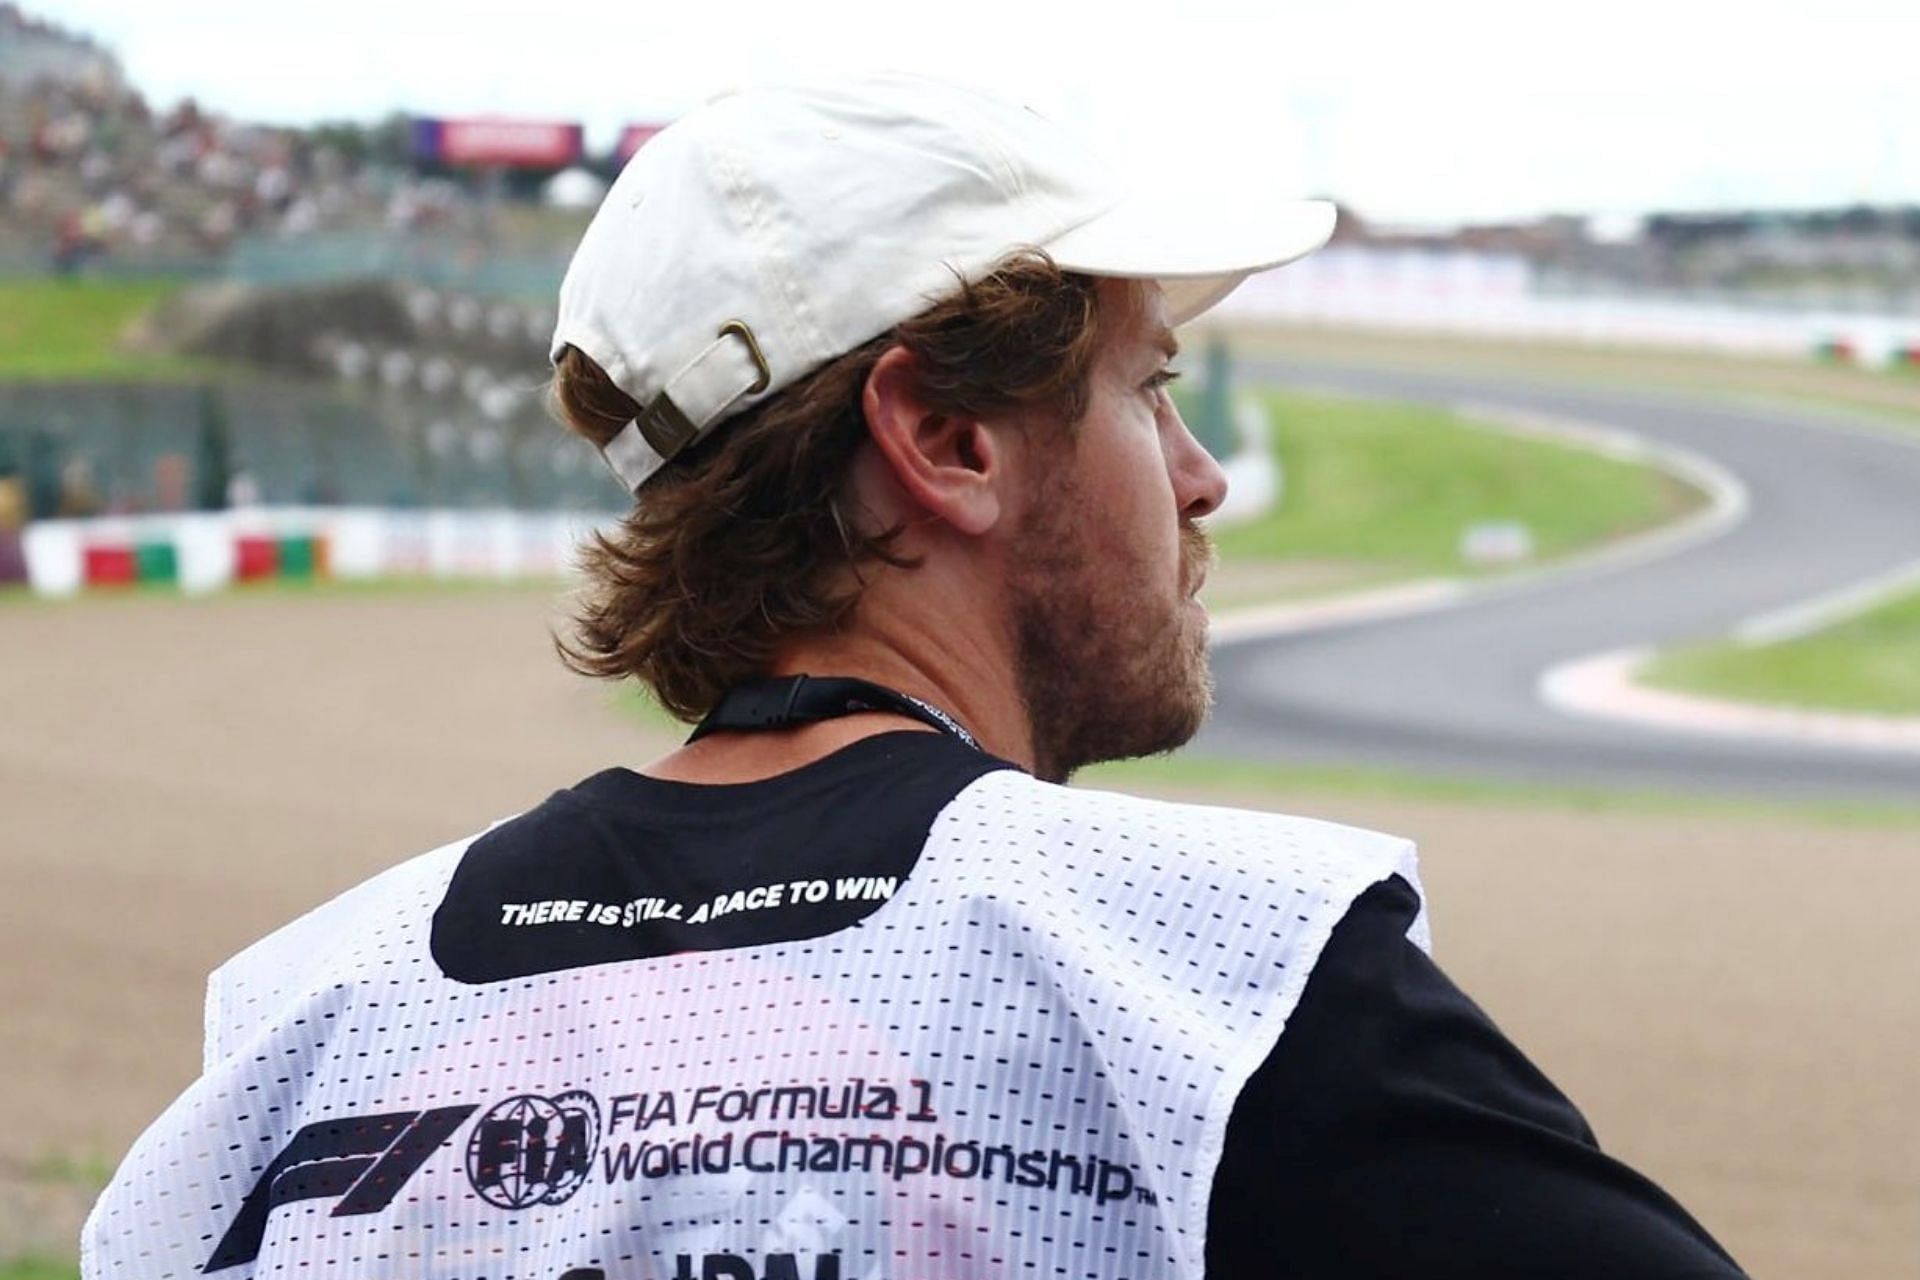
(1021,1065)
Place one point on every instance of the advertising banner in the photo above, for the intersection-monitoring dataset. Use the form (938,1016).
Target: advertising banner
(511,144)
(634,137)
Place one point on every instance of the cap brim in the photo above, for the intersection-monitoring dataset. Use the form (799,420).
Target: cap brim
(1198,249)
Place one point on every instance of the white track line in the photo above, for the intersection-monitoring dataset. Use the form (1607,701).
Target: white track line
(1728,502)
(1258,622)
(1821,612)
(1727,505)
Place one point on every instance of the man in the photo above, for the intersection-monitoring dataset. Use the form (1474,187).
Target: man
(848,986)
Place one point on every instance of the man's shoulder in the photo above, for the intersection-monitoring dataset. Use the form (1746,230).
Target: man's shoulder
(324,946)
(376,892)
(1202,855)
(1023,801)
(420,881)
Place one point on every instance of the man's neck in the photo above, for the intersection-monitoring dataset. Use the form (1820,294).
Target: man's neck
(957,668)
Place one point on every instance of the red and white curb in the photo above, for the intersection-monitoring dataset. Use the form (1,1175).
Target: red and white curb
(1606,687)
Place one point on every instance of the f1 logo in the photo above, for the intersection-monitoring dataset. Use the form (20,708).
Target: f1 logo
(361,1160)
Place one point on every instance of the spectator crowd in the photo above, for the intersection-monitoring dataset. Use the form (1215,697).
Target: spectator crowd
(90,170)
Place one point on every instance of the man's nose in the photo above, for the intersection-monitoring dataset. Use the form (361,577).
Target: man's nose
(1199,482)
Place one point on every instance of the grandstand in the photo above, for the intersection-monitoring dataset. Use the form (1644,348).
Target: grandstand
(347,385)
(93,177)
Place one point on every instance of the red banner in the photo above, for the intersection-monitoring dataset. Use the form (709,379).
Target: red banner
(524,144)
(634,137)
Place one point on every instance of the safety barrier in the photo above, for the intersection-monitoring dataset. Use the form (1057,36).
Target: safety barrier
(1498,295)
(199,552)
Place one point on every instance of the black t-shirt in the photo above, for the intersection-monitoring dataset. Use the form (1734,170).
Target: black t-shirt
(1393,1131)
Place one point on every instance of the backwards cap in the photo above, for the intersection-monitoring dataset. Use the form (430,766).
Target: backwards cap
(760,237)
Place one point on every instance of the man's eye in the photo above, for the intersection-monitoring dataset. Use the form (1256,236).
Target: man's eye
(1161,379)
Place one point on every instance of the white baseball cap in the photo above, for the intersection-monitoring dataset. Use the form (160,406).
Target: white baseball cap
(774,229)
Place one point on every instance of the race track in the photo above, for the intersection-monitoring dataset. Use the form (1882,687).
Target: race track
(1453,692)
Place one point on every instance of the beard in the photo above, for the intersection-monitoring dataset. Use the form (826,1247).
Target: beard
(1104,673)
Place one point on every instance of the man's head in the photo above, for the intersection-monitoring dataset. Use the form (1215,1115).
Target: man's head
(892,348)
(762,531)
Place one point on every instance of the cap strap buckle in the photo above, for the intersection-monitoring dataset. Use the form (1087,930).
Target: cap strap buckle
(664,427)
(711,382)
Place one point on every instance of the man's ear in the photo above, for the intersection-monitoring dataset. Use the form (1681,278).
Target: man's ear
(952,467)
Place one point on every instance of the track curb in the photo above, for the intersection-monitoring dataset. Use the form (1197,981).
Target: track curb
(1606,686)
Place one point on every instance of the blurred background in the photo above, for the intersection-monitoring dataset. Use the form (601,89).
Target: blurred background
(1574,532)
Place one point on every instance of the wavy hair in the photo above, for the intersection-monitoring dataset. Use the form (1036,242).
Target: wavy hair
(740,541)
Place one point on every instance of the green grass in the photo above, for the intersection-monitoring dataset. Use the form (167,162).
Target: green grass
(1870,663)
(59,330)
(1209,779)
(90,1171)
(38,1268)
(635,702)
(1399,484)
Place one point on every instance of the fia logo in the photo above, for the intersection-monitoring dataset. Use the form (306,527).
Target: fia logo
(533,1150)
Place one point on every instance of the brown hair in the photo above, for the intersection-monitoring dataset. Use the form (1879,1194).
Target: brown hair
(740,541)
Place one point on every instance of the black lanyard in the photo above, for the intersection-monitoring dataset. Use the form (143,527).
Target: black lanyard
(787,701)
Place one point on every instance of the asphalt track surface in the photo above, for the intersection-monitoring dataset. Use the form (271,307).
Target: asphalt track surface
(1454,692)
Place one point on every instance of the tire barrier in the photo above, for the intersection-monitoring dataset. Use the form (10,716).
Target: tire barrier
(201,552)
